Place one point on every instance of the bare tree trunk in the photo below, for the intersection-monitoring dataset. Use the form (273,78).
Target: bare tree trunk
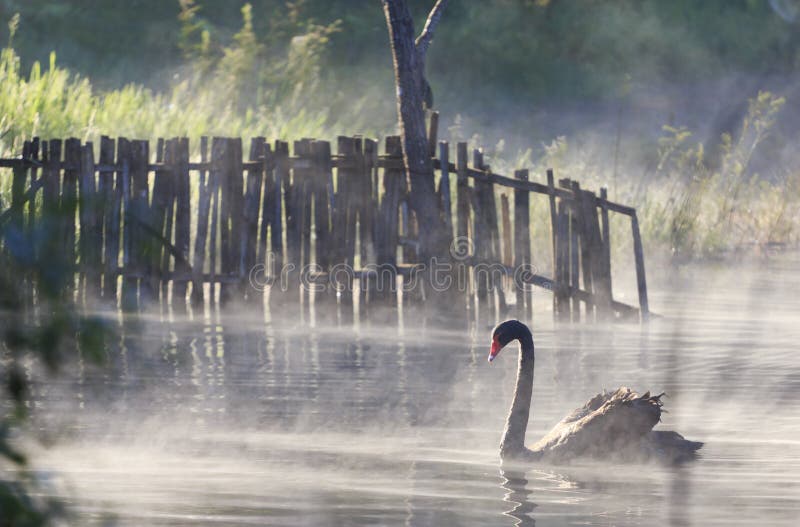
(409,69)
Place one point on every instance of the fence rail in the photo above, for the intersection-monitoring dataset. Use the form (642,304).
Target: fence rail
(144,228)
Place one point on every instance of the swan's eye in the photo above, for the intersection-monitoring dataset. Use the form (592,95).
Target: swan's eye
(496,347)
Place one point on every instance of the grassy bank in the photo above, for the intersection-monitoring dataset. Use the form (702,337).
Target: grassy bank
(688,206)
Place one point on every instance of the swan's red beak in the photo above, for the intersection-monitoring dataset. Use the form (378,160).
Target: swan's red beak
(496,347)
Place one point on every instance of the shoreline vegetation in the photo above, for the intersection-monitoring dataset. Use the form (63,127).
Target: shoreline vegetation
(692,204)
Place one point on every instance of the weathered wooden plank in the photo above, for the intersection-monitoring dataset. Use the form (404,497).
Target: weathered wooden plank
(551,192)
(69,203)
(183,220)
(505,215)
(143,243)
(267,204)
(485,239)
(321,150)
(19,182)
(17,221)
(387,227)
(479,234)
(89,248)
(368,212)
(129,299)
(236,212)
(169,218)
(320,180)
(231,219)
(347,200)
(462,244)
(110,197)
(349,195)
(219,153)
(575,241)
(201,232)
(160,218)
(506,249)
(366,221)
(52,175)
(522,241)
(582,222)
(602,287)
(606,240)
(562,271)
(641,280)
(252,203)
(294,194)
(280,290)
(343,181)
(444,188)
(33,176)
(282,177)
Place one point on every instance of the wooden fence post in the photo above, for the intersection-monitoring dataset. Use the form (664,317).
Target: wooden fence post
(160,220)
(52,185)
(18,183)
(252,204)
(577,240)
(387,227)
(33,154)
(606,241)
(183,220)
(298,227)
(269,195)
(444,187)
(201,233)
(69,204)
(366,221)
(219,155)
(51,214)
(584,247)
(522,243)
(321,176)
(562,292)
(129,299)
(367,213)
(90,237)
(282,277)
(600,275)
(236,215)
(110,196)
(641,280)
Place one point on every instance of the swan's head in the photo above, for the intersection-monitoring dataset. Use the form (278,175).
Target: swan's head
(506,332)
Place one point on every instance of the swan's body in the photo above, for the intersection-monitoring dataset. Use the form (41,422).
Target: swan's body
(616,424)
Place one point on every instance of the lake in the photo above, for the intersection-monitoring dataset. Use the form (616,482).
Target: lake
(234,420)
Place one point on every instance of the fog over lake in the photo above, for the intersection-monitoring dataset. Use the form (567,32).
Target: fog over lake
(236,421)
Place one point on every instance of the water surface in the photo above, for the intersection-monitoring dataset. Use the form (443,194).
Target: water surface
(237,421)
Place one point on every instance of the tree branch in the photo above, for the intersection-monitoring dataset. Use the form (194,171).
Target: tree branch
(424,39)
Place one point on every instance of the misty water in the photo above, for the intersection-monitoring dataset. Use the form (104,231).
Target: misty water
(234,420)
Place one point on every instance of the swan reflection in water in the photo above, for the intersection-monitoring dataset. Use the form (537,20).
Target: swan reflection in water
(517,493)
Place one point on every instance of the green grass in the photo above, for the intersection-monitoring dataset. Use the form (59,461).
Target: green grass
(686,209)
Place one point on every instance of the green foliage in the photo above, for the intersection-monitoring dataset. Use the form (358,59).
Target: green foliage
(287,75)
(55,333)
(695,210)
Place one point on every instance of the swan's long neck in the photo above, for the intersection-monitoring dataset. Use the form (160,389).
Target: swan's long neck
(517,422)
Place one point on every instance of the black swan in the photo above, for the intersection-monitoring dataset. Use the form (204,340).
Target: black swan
(616,424)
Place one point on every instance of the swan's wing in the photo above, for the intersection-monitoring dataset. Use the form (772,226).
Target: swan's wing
(609,422)
(670,447)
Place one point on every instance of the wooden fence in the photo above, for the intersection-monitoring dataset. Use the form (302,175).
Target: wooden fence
(144,229)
